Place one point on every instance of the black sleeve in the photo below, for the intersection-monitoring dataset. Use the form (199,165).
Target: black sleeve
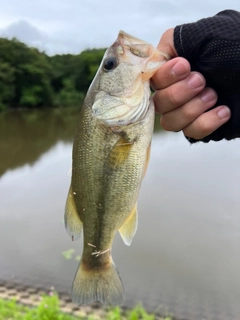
(212,46)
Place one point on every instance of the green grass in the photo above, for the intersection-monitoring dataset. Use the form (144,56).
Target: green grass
(48,309)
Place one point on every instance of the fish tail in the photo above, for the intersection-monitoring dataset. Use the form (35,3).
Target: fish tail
(102,284)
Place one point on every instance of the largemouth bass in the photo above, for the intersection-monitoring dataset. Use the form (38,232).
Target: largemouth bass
(110,156)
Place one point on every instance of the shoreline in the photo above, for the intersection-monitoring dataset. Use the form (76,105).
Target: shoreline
(31,297)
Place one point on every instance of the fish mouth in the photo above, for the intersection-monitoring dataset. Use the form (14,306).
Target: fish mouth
(136,46)
(136,51)
(139,47)
(124,35)
(126,42)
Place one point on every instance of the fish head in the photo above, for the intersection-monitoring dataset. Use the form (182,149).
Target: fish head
(140,53)
(123,89)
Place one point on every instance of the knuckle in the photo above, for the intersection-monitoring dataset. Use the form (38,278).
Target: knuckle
(203,129)
(167,124)
(164,123)
(197,131)
(172,97)
(188,113)
(157,100)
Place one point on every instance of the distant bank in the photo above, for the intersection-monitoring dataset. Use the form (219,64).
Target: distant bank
(30,78)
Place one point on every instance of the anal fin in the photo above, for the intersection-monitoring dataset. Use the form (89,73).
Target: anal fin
(73,224)
(129,227)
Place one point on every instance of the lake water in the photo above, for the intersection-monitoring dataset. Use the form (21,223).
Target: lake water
(185,257)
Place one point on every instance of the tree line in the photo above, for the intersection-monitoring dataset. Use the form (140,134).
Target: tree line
(30,78)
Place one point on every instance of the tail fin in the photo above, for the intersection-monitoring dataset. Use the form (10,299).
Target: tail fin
(100,284)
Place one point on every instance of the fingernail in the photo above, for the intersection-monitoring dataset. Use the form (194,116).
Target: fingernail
(195,81)
(179,69)
(208,96)
(224,113)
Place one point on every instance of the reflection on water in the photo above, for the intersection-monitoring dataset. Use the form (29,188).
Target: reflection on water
(25,135)
(185,256)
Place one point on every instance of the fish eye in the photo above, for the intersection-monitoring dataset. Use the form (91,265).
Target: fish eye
(110,63)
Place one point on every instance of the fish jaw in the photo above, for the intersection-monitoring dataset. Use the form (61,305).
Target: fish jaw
(134,48)
(123,91)
(134,51)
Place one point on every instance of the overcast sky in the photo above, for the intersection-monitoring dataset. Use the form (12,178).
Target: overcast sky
(69,26)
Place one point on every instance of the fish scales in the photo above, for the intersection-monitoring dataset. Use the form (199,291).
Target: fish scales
(110,156)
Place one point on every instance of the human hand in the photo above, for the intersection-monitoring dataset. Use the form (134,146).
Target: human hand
(182,98)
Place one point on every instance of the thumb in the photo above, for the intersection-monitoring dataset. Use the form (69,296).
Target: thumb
(166,44)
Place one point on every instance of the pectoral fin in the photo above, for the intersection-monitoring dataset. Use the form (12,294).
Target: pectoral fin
(120,152)
(129,227)
(147,159)
(73,224)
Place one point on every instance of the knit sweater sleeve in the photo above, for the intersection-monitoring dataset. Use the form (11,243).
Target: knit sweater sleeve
(212,46)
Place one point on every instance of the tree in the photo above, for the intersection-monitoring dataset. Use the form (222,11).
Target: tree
(30,78)
(7,84)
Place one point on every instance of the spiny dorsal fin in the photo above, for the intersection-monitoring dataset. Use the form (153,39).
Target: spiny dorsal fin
(73,224)
(129,227)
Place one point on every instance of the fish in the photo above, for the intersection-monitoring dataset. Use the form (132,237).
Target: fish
(111,151)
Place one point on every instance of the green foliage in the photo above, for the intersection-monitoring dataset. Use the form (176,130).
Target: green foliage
(69,254)
(30,78)
(49,309)
(68,95)
(7,85)
(137,313)
(88,62)
(114,314)
(140,313)
(31,96)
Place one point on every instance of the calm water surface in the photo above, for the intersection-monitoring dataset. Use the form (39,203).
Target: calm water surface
(185,257)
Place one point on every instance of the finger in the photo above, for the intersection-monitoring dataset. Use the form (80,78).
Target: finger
(179,93)
(207,123)
(170,73)
(181,117)
(166,43)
